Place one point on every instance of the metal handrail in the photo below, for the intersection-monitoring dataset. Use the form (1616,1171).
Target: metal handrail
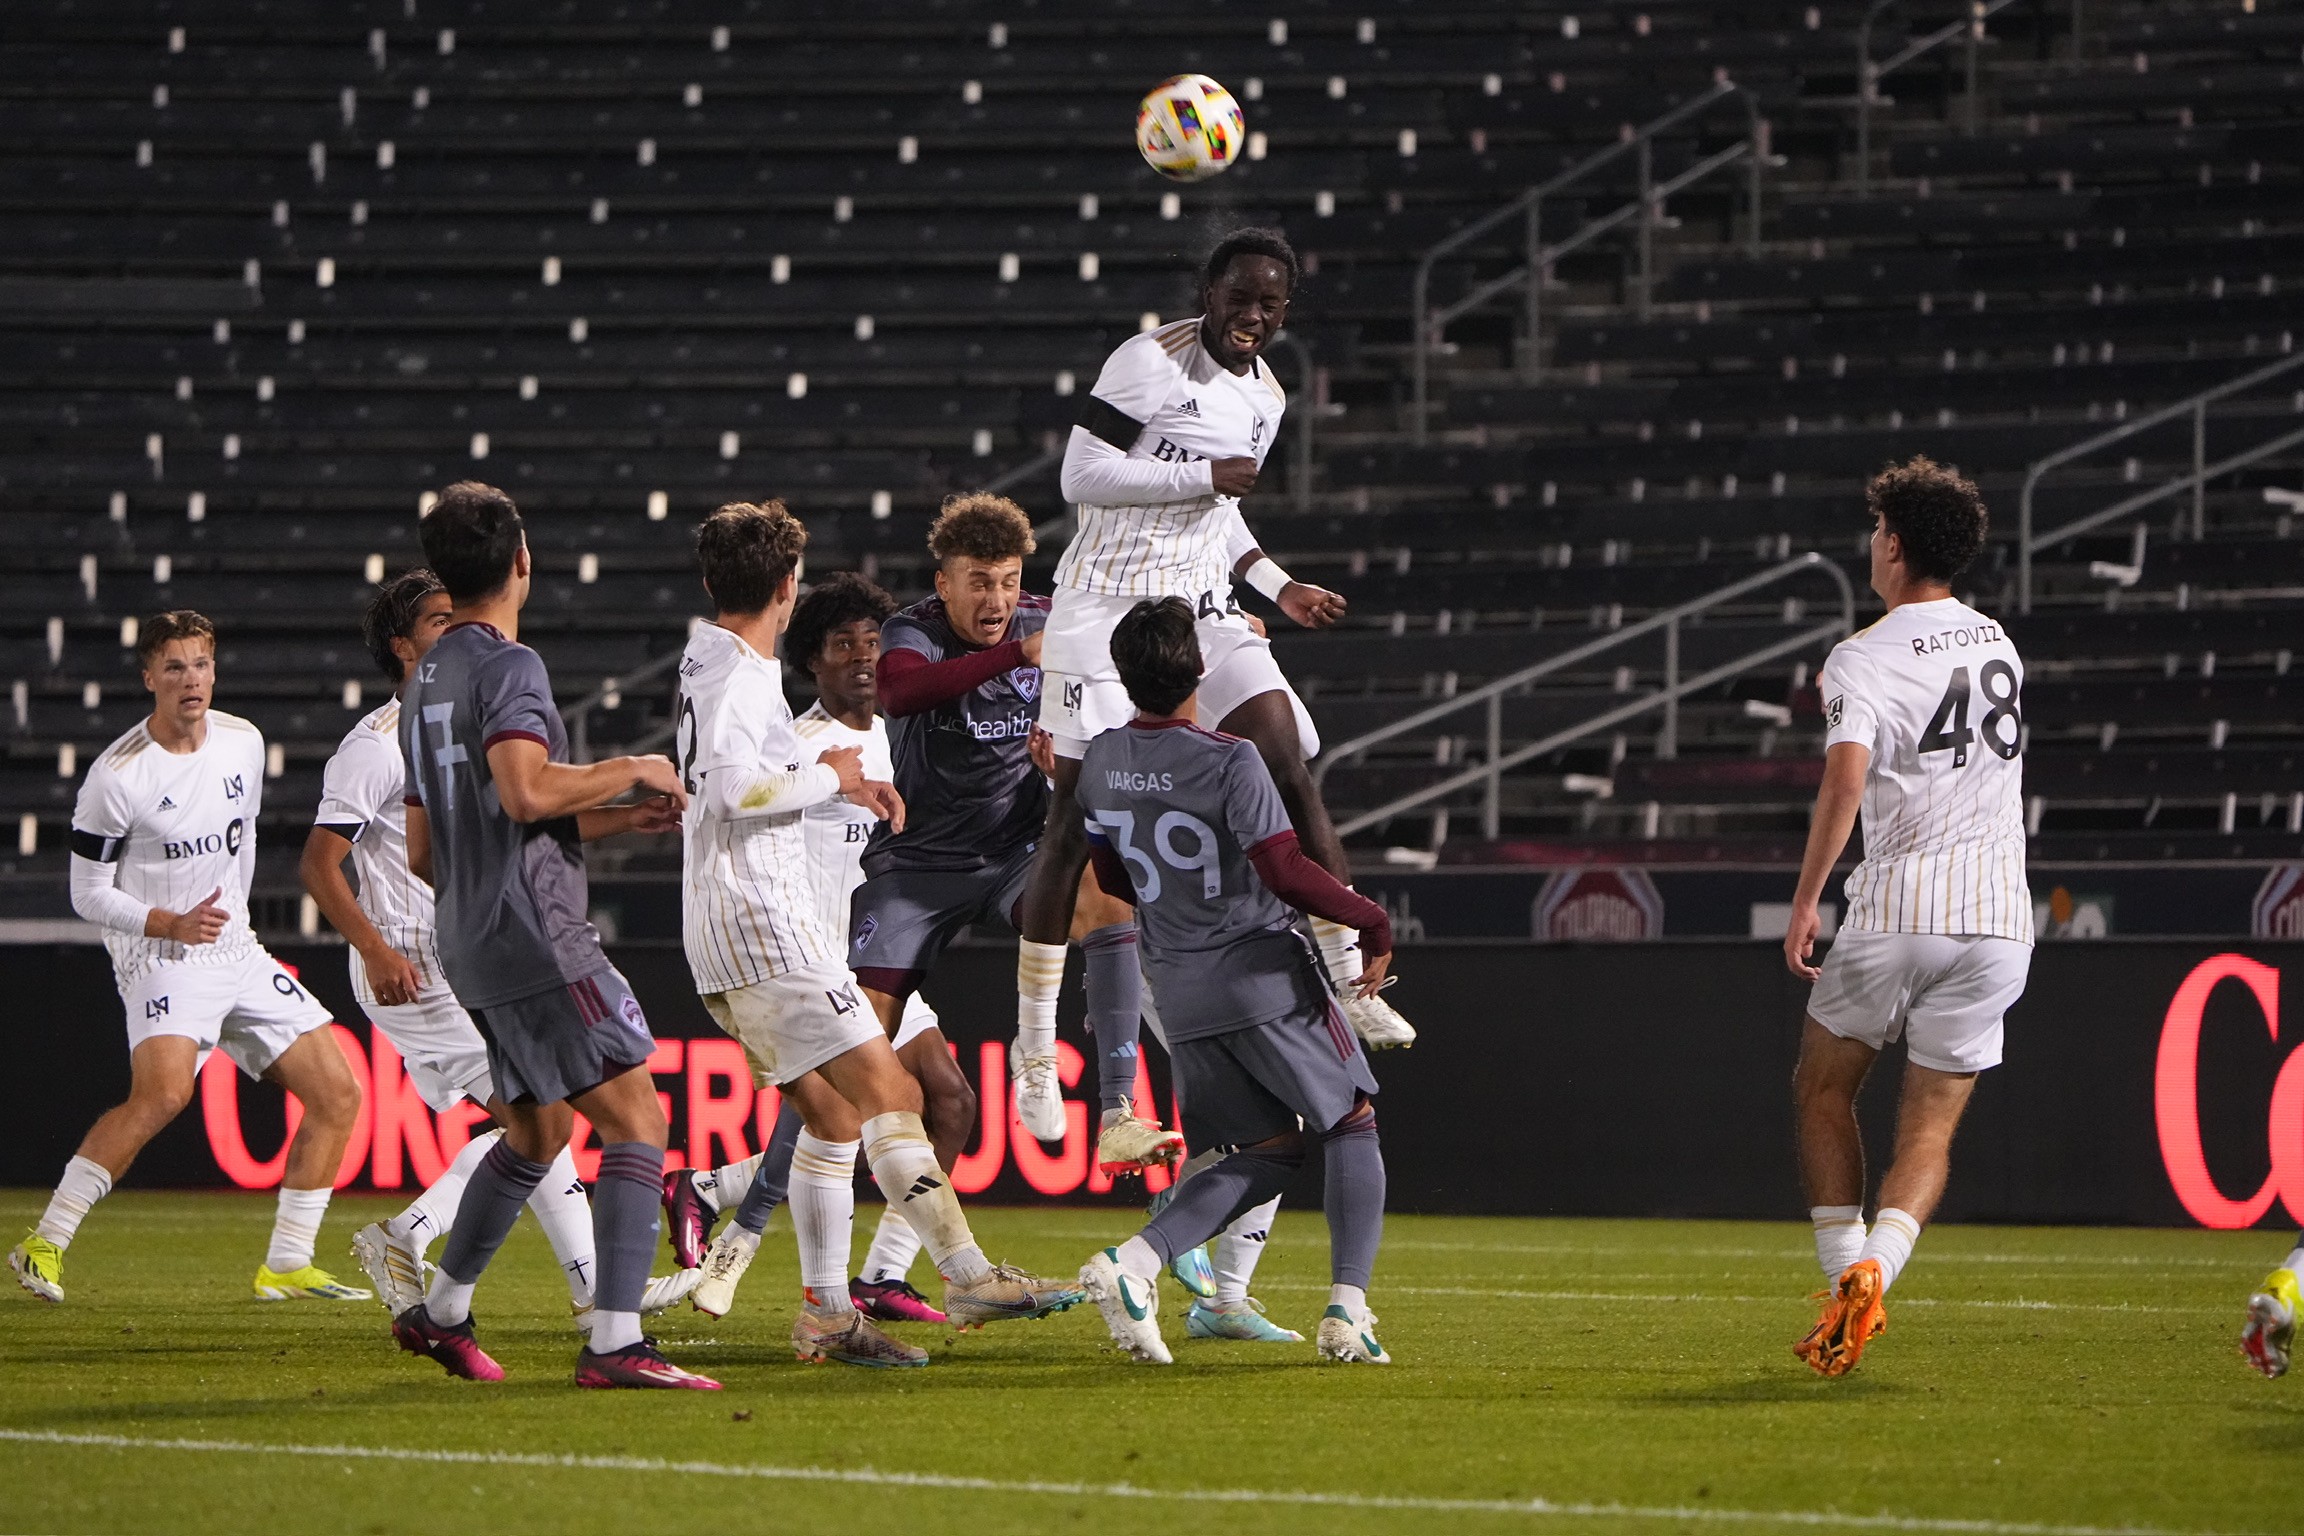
(2029,543)
(1431,324)
(1868,73)
(578,716)
(1666,698)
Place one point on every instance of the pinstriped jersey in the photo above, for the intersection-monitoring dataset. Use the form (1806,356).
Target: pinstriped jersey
(748,904)
(838,829)
(1935,691)
(361,801)
(174,826)
(1192,407)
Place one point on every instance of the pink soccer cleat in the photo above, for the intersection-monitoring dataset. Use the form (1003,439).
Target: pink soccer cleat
(458,1353)
(892,1301)
(637,1365)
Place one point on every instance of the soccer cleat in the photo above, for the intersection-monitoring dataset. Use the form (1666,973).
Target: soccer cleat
(665,1291)
(1855,1314)
(39,1266)
(1005,1294)
(1127,1144)
(1348,1340)
(1039,1095)
(1130,1306)
(892,1301)
(849,1338)
(732,1254)
(394,1266)
(1236,1320)
(1192,1267)
(2271,1323)
(311,1283)
(637,1365)
(1378,1023)
(687,1219)
(458,1353)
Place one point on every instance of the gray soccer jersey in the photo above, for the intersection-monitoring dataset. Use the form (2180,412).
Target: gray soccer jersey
(1184,808)
(512,897)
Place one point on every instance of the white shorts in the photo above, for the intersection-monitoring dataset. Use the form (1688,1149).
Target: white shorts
(1080,693)
(439,1046)
(249,1008)
(790,1025)
(1944,994)
(917,1019)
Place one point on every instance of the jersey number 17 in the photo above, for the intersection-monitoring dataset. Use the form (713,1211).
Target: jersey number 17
(1949,731)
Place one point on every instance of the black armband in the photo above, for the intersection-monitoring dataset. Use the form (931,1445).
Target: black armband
(1107,421)
(95,847)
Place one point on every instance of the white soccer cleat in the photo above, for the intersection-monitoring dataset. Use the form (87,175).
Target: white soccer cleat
(668,1291)
(1127,1144)
(394,1266)
(1039,1095)
(732,1254)
(1348,1340)
(1130,1306)
(1378,1023)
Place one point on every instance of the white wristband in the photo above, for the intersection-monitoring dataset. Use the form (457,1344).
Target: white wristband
(1267,577)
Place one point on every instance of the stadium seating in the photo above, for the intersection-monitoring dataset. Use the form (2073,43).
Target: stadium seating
(275,271)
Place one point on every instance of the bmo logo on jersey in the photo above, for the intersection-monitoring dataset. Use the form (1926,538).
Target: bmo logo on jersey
(227,841)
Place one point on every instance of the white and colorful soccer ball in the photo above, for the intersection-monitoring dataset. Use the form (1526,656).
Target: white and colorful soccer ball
(1189,128)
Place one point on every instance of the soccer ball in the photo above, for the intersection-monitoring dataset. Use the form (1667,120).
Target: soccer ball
(1189,128)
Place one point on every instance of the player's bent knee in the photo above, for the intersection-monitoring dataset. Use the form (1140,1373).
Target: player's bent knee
(951,1111)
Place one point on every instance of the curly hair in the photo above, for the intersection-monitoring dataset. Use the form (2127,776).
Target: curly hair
(746,550)
(841,598)
(981,526)
(1268,243)
(1936,514)
(392,615)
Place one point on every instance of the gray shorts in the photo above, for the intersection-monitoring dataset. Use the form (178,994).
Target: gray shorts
(1256,1083)
(553,1045)
(900,921)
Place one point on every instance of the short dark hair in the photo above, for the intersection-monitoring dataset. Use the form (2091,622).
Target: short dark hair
(746,549)
(392,614)
(470,538)
(1253,242)
(1937,515)
(1156,646)
(841,598)
(982,526)
(155,633)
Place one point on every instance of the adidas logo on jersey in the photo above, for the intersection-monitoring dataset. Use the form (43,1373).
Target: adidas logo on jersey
(1189,408)
(167,803)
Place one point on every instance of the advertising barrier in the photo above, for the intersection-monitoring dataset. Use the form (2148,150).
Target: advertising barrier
(2145,1083)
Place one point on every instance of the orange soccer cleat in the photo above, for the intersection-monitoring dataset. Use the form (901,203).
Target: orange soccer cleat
(1855,1314)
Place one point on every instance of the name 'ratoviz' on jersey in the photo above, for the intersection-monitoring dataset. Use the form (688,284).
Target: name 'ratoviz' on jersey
(1935,692)
(971,794)
(1184,808)
(512,896)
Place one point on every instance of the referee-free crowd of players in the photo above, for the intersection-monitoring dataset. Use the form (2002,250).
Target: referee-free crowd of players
(1119,766)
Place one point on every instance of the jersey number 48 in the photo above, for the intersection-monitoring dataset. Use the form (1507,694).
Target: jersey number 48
(1949,732)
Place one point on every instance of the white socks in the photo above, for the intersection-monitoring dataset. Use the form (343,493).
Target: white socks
(894,1246)
(613,1331)
(1039,975)
(449,1302)
(823,1201)
(723,1189)
(84,1183)
(1236,1252)
(432,1213)
(1136,1257)
(1339,950)
(565,1215)
(1839,1236)
(1350,1297)
(897,1147)
(295,1228)
(1893,1234)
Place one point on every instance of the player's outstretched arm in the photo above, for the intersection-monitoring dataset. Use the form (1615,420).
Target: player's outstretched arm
(531,787)
(1838,800)
(389,971)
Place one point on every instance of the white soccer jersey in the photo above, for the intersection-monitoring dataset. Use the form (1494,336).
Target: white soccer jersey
(1159,539)
(1935,691)
(166,828)
(361,800)
(838,829)
(748,907)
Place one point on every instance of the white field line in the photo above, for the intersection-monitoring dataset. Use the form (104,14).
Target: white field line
(943,1483)
(1485,1293)
(1936,1255)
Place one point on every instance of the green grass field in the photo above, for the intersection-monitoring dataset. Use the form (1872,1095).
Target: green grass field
(1595,1375)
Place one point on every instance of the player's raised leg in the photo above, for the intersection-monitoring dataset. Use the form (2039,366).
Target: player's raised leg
(2271,1328)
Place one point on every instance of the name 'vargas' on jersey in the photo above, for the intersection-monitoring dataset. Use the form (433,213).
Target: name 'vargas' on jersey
(1935,692)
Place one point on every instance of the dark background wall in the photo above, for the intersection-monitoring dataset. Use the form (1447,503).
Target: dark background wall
(1561,1079)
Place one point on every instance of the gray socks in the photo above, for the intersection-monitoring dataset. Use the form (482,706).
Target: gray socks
(1355,1201)
(1115,1011)
(500,1186)
(1207,1203)
(625,1222)
(774,1179)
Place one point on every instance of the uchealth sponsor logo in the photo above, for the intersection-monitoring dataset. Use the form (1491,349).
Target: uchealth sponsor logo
(2176,1101)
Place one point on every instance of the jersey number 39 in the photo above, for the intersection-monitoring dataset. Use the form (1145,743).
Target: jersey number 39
(1204,855)
(1949,732)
